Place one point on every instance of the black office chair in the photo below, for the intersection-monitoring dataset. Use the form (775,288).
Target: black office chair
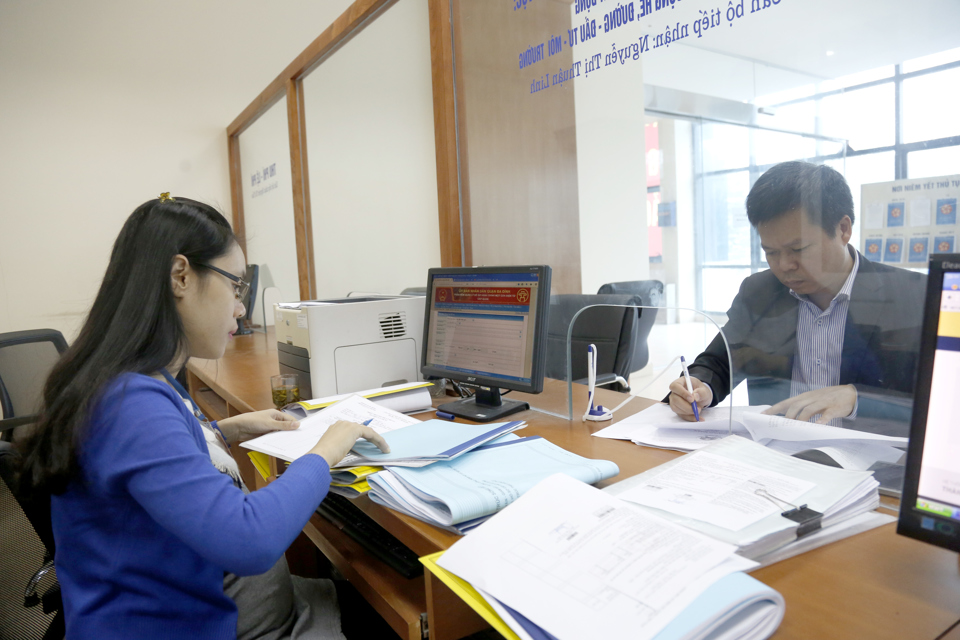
(26,358)
(30,601)
(651,292)
(611,329)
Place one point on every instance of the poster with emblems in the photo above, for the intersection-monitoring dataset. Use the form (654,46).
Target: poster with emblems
(904,221)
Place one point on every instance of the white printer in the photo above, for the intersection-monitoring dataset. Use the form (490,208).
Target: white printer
(350,344)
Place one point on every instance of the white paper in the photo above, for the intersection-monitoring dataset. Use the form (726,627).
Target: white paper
(582,564)
(873,219)
(718,490)
(661,416)
(764,427)
(920,212)
(290,445)
(849,454)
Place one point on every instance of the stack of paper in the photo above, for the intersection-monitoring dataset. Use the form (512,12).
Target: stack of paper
(735,490)
(352,482)
(427,442)
(461,494)
(658,426)
(409,397)
(572,562)
(290,445)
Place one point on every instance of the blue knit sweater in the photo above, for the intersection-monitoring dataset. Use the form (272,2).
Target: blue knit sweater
(144,536)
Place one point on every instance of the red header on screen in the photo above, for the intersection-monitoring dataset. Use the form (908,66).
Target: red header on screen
(483,295)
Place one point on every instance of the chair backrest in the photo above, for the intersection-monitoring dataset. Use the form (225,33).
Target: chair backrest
(611,329)
(271,296)
(22,553)
(651,292)
(26,358)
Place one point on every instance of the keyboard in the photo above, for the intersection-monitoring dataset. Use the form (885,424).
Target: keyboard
(371,536)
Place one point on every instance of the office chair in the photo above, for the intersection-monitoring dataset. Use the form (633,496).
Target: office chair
(611,329)
(651,292)
(26,358)
(27,576)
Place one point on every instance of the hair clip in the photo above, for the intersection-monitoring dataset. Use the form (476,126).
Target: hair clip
(165,197)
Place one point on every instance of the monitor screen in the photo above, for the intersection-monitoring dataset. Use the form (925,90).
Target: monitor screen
(485,327)
(930,507)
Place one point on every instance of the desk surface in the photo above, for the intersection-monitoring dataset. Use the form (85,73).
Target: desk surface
(873,585)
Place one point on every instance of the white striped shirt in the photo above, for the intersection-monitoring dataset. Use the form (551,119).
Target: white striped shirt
(820,341)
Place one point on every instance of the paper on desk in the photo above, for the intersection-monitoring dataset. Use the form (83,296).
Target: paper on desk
(718,490)
(290,445)
(582,564)
(764,427)
(661,416)
(849,454)
(409,397)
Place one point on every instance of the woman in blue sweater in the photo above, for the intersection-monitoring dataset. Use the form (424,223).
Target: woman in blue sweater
(145,525)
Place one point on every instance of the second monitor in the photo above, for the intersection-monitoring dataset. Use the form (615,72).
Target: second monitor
(485,327)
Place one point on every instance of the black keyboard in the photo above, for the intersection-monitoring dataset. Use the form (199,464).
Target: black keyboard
(370,535)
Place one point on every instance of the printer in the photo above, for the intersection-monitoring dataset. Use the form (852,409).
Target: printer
(350,344)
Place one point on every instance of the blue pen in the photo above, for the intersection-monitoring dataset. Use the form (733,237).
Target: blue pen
(686,376)
(367,423)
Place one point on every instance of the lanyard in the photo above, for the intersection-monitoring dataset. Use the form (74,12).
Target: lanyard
(196,410)
(183,394)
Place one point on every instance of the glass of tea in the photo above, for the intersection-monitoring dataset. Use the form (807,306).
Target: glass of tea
(285,388)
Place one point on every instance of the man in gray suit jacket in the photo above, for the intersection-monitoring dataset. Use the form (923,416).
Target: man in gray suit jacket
(824,334)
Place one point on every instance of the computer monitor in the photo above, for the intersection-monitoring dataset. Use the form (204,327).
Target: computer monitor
(251,275)
(930,506)
(485,327)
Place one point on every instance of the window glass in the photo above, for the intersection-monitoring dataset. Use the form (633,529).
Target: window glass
(933,162)
(857,78)
(797,116)
(930,61)
(864,117)
(773,147)
(726,230)
(725,147)
(720,287)
(930,106)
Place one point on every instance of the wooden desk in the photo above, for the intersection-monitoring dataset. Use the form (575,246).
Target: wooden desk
(873,585)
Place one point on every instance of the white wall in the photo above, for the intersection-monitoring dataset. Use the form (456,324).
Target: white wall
(373,173)
(105,104)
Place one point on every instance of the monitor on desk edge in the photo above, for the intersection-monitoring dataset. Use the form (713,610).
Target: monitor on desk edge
(930,506)
(485,327)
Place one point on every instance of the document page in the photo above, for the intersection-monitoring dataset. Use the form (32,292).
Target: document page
(582,564)
(849,454)
(724,492)
(764,427)
(290,445)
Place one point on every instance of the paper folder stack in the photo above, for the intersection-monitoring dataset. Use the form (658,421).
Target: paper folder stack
(567,561)
(461,494)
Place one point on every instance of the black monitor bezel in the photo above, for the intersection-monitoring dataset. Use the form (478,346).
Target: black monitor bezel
(946,532)
(541,310)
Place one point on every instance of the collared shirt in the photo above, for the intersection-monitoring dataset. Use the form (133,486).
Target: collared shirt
(820,340)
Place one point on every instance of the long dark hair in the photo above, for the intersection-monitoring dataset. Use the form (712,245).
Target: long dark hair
(133,326)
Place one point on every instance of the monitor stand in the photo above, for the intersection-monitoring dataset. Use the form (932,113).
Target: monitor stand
(242,328)
(486,406)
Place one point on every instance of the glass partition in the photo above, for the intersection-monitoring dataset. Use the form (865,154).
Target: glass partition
(372,160)
(268,205)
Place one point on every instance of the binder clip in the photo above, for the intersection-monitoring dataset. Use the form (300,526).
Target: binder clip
(596,413)
(806,518)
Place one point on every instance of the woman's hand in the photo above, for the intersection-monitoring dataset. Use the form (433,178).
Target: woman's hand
(340,438)
(256,423)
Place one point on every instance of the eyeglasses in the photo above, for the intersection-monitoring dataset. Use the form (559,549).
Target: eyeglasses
(241,286)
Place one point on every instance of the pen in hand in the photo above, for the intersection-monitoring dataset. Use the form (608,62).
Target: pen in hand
(686,377)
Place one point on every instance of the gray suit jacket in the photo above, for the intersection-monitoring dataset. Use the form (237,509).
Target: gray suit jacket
(881,341)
